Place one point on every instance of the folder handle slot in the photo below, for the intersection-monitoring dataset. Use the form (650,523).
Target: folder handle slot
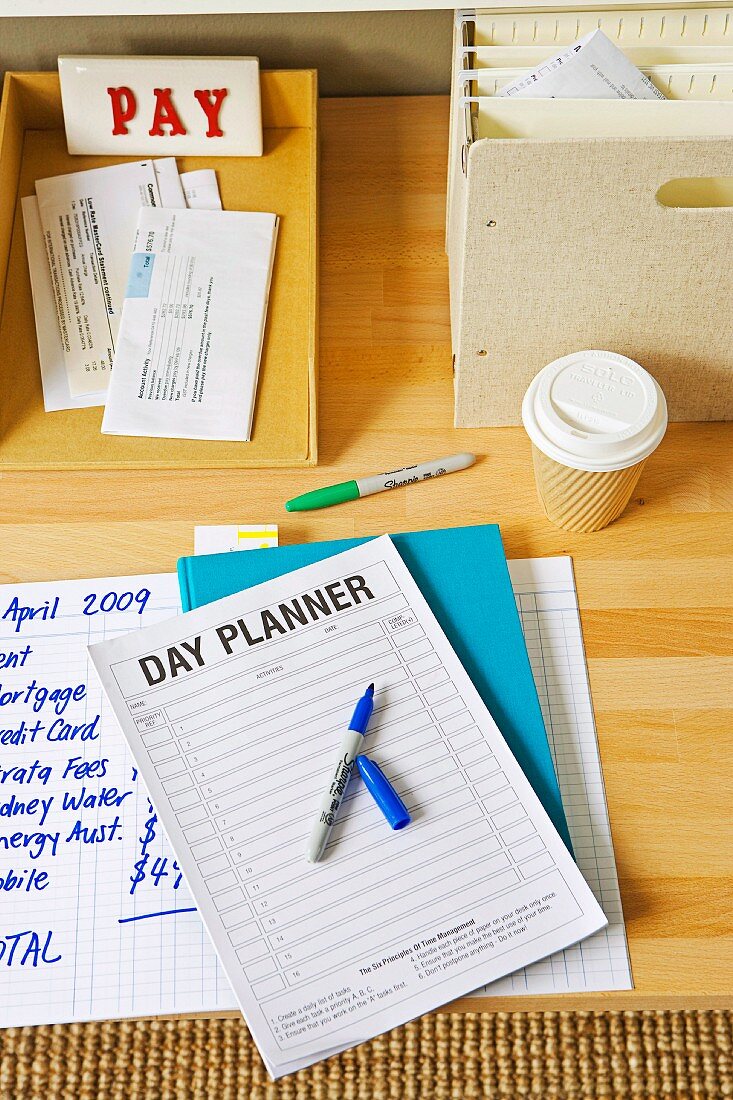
(696,192)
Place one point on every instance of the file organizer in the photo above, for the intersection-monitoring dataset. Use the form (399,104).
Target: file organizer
(284,180)
(558,243)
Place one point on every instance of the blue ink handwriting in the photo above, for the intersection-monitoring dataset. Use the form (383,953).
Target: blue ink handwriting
(159,868)
(15,807)
(37,696)
(13,659)
(20,614)
(22,734)
(147,916)
(97,834)
(32,950)
(28,773)
(27,880)
(111,601)
(36,843)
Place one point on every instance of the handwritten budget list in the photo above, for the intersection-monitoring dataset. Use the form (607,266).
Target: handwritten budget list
(96,921)
(233,712)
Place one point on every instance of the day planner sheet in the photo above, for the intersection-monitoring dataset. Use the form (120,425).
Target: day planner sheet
(233,713)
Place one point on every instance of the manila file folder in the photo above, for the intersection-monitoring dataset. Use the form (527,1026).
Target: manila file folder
(586,224)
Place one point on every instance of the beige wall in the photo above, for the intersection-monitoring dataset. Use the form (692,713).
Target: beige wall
(357,53)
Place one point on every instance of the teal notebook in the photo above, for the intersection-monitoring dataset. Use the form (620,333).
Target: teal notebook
(462,573)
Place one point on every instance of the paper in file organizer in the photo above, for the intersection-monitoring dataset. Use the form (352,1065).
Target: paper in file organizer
(631,149)
(233,713)
(592,68)
(686,52)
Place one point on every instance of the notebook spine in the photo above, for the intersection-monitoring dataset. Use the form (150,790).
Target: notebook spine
(184,584)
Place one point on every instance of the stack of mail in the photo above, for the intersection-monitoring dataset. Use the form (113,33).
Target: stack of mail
(186,350)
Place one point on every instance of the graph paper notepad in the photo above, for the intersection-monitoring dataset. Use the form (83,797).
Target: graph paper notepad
(130,941)
(548,608)
(96,920)
(233,713)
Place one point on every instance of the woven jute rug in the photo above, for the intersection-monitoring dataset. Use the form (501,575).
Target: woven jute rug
(547,1055)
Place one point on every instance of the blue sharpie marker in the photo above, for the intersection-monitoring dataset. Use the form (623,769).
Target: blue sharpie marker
(333,797)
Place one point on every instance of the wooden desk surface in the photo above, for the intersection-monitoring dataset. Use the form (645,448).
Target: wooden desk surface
(655,589)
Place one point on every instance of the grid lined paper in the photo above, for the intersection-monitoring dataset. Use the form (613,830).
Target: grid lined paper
(547,602)
(97,921)
(141,949)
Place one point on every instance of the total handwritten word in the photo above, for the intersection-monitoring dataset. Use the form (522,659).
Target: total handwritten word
(21,948)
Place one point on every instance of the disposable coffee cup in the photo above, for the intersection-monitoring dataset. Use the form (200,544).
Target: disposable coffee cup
(594,417)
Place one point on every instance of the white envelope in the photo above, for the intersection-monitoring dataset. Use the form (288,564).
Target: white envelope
(192,325)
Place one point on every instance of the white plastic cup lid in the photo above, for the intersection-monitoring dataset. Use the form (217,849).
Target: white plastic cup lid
(595,410)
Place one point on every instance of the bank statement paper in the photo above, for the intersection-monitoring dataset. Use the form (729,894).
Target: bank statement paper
(234,712)
(88,221)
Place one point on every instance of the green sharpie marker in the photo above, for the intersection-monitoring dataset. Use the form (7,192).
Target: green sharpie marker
(378,483)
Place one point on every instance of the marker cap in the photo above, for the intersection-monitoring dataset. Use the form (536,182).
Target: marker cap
(324,498)
(383,793)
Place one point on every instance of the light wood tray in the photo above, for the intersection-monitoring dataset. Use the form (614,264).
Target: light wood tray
(284,181)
